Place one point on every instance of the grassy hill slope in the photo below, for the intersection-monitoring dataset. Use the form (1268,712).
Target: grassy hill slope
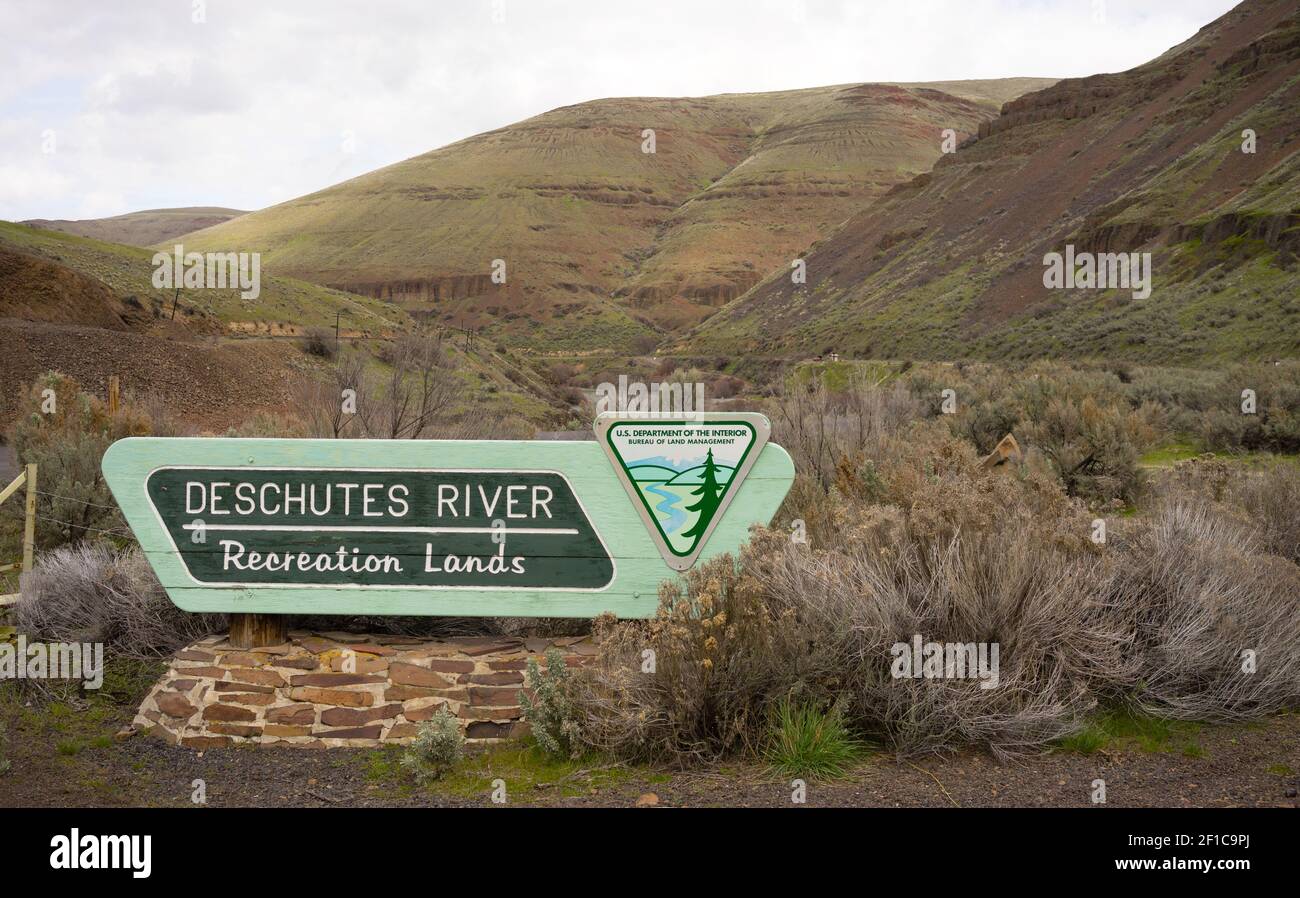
(604,244)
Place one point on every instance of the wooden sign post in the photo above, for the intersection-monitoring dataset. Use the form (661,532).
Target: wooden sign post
(406,527)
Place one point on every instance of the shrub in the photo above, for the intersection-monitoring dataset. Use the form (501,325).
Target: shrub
(320,342)
(94,592)
(1275,424)
(694,682)
(73,500)
(807,742)
(1012,581)
(1268,495)
(1272,498)
(550,711)
(961,556)
(436,749)
(5,763)
(1093,448)
(1203,593)
(820,427)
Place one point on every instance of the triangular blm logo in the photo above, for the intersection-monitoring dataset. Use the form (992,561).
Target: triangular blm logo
(681,474)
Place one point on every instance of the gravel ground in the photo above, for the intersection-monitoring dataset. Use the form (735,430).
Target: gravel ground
(1233,766)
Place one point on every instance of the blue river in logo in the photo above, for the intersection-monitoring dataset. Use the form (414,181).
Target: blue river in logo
(676,517)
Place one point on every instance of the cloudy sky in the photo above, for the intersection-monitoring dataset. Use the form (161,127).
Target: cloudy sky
(110,107)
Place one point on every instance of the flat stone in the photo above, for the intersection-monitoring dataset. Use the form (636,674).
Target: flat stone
(334,679)
(235,729)
(520,664)
(173,704)
(194,655)
(183,685)
(500,678)
(243,659)
(361,664)
(406,693)
(491,696)
(256,699)
(370,732)
(446,665)
(302,662)
(402,731)
(211,673)
(228,713)
(419,715)
(243,687)
(475,650)
(345,717)
(331,697)
(404,674)
(469,712)
(300,715)
(285,731)
(261,677)
(316,645)
(282,649)
(371,649)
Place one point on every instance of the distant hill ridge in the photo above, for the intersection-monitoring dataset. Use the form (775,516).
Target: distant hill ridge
(611,236)
(144,228)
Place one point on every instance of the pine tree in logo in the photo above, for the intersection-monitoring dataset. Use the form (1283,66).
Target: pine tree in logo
(710,497)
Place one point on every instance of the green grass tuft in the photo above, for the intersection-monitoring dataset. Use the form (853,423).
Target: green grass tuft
(807,742)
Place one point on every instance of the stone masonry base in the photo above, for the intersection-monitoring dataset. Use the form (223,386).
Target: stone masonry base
(326,690)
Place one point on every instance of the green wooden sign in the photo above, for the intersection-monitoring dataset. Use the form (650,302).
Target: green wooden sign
(436,527)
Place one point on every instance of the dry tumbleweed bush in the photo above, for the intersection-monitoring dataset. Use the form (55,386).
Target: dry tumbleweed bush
(94,592)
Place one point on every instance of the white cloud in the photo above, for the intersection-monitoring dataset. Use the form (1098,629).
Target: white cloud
(249,108)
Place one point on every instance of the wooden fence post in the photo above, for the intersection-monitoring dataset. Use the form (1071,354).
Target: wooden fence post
(29,525)
(114,393)
(251,631)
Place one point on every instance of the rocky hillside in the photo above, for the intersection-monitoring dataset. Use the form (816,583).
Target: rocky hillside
(141,228)
(52,276)
(951,263)
(88,308)
(604,244)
